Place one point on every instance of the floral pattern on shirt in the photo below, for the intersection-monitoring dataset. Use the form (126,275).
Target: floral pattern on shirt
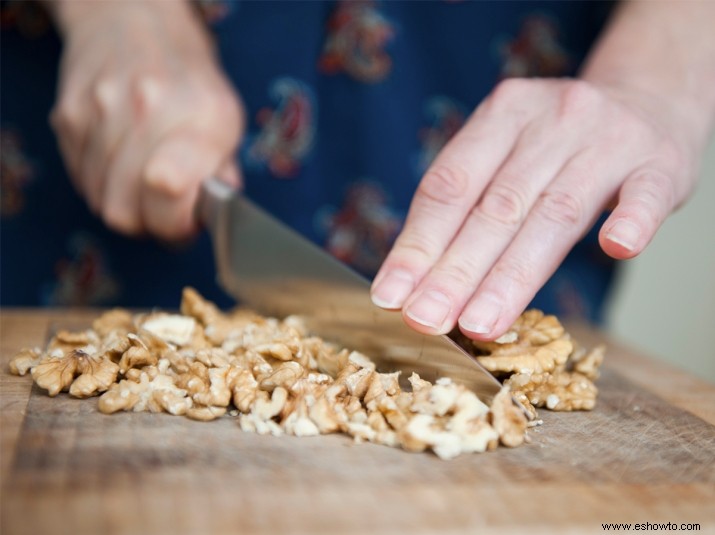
(286,130)
(445,116)
(28,17)
(357,35)
(535,51)
(361,232)
(83,277)
(17,171)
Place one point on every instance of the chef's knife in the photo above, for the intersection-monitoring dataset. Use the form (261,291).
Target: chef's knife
(272,269)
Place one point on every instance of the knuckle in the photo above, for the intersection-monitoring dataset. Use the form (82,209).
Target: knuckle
(456,275)
(445,185)
(510,89)
(415,248)
(512,275)
(562,207)
(105,93)
(66,114)
(169,232)
(654,189)
(673,156)
(503,204)
(219,106)
(148,92)
(577,96)
(160,176)
(120,220)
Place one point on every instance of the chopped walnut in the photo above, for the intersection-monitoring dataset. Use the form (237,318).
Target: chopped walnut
(561,391)
(218,326)
(83,373)
(266,407)
(66,341)
(219,389)
(449,419)
(298,422)
(520,397)
(284,375)
(116,320)
(508,419)
(516,358)
(205,414)
(115,344)
(541,364)
(137,355)
(535,344)
(214,357)
(171,328)
(274,378)
(244,391)
(588,363)
(326,412)
(158,394)
(196,380)
(25,360)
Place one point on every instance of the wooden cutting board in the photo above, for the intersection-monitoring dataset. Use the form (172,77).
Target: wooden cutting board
(646,454)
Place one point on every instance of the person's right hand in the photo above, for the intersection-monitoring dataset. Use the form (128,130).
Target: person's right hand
(143,113)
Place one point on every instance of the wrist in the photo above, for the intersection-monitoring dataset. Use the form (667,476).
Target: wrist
(653,56)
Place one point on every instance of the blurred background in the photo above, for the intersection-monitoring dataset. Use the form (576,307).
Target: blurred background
(664,301)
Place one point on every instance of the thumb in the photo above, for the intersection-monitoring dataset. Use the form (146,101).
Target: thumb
(230,173)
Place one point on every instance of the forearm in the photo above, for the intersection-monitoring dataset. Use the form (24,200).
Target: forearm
(663,51)
(177,16)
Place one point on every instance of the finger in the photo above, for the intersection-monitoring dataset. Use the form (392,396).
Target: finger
(434,306)
(70,119)
(171,181)
(121,197)
(230,173)
(563,213)
(112,123)
(646,198)
(445,195)
(120,200)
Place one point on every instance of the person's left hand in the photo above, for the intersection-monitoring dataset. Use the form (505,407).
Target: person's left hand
(518,186)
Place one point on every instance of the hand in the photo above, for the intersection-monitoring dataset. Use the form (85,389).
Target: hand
(518,186)
(143,113)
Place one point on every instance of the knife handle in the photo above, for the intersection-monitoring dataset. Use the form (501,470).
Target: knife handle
(213,196)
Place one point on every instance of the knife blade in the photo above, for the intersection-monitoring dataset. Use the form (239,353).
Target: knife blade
(272,269)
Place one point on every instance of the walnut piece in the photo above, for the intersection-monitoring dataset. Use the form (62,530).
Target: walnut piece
(83,373)
(560,391)
(25,360)
(115,320)
(541,365)
(508,419)
(158,394)
(171,328)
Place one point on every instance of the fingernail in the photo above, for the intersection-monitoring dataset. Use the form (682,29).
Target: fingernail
(625,234)
(430,309)
(392,290)
(482,317)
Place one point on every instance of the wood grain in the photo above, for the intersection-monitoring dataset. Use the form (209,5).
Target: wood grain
(640,456)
